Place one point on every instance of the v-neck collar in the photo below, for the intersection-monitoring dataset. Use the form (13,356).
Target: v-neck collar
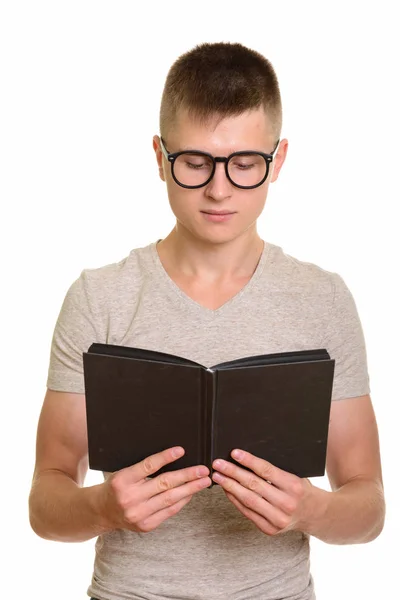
(196,306)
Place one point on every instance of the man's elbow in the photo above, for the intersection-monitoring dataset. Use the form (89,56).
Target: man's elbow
(379,521)
(35,520)
(36,524)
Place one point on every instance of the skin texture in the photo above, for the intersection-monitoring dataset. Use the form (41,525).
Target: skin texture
(206,260)
(62,509)
(352,513)
(211,262)
(216,254)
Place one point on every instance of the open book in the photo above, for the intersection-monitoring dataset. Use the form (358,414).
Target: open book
(139,402)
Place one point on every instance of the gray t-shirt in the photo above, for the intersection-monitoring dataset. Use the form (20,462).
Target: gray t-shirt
(209,550)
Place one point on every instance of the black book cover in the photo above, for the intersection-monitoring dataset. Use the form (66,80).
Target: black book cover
(139,402)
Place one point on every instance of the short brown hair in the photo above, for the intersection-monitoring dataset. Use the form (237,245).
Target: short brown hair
(221,79)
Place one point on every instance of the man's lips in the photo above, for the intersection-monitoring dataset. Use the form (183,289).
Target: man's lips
(217,216)
(218,212)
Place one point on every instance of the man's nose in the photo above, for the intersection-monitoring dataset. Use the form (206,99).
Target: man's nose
(219,187)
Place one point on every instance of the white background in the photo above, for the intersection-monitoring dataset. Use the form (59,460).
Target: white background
(81,85)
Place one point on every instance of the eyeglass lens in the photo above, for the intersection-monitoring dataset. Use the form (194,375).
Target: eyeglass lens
(244,169)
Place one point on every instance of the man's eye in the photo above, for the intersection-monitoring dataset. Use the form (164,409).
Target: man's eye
(195,165)
(243,166)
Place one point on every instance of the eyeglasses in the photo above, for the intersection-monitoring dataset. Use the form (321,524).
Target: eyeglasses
(194,169)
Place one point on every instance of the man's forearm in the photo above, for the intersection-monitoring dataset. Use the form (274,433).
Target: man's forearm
(60,510)
(353,514)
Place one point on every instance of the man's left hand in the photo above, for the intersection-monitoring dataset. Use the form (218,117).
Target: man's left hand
(276,501)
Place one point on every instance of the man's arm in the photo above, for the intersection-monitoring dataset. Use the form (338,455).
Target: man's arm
(58,508)
(353,512)
(61,509)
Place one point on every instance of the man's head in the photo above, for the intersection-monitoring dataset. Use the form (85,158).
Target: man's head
(220,99)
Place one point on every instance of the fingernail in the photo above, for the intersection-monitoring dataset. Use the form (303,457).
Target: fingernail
(178,451)
(218,477)
(218,464)
(205,482)
(237,454)
(202,471)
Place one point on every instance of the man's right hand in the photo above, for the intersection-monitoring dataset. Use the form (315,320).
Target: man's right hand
(60,506)
(129,500)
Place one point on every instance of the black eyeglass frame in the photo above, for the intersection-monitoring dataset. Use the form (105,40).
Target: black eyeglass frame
(171,157)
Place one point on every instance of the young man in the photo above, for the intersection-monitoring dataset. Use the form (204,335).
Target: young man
(224,293)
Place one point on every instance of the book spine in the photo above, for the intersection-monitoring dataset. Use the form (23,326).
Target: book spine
(209,403)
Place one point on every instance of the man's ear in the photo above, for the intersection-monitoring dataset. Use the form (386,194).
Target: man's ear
(280,157)
(159,156)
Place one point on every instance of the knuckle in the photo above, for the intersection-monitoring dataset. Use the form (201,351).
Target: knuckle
(267,472)
(132,517)
(119,493)
(144,526)
(283,521)
(164,483)
(252,484)
(229,484)
(148,466)
(173,509)
(290,506)
(123,502)
(168,500)
(116,483)
(297,488)
(250,500)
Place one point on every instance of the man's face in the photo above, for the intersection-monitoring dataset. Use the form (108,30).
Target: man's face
(249,131)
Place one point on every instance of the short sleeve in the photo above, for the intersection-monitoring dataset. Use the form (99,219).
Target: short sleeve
(346,344)
(77,327)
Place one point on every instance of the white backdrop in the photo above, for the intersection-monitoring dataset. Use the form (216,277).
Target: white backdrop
(81,84)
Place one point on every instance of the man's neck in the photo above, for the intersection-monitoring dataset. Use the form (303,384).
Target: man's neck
(203,261)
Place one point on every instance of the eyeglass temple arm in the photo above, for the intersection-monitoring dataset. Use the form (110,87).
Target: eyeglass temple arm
(275,149)
(163,148)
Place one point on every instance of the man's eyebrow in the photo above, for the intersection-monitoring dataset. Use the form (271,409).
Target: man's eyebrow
(196,149)
(189,149)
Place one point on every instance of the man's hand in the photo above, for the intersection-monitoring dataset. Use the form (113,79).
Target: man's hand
(128,500)
(276,501)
